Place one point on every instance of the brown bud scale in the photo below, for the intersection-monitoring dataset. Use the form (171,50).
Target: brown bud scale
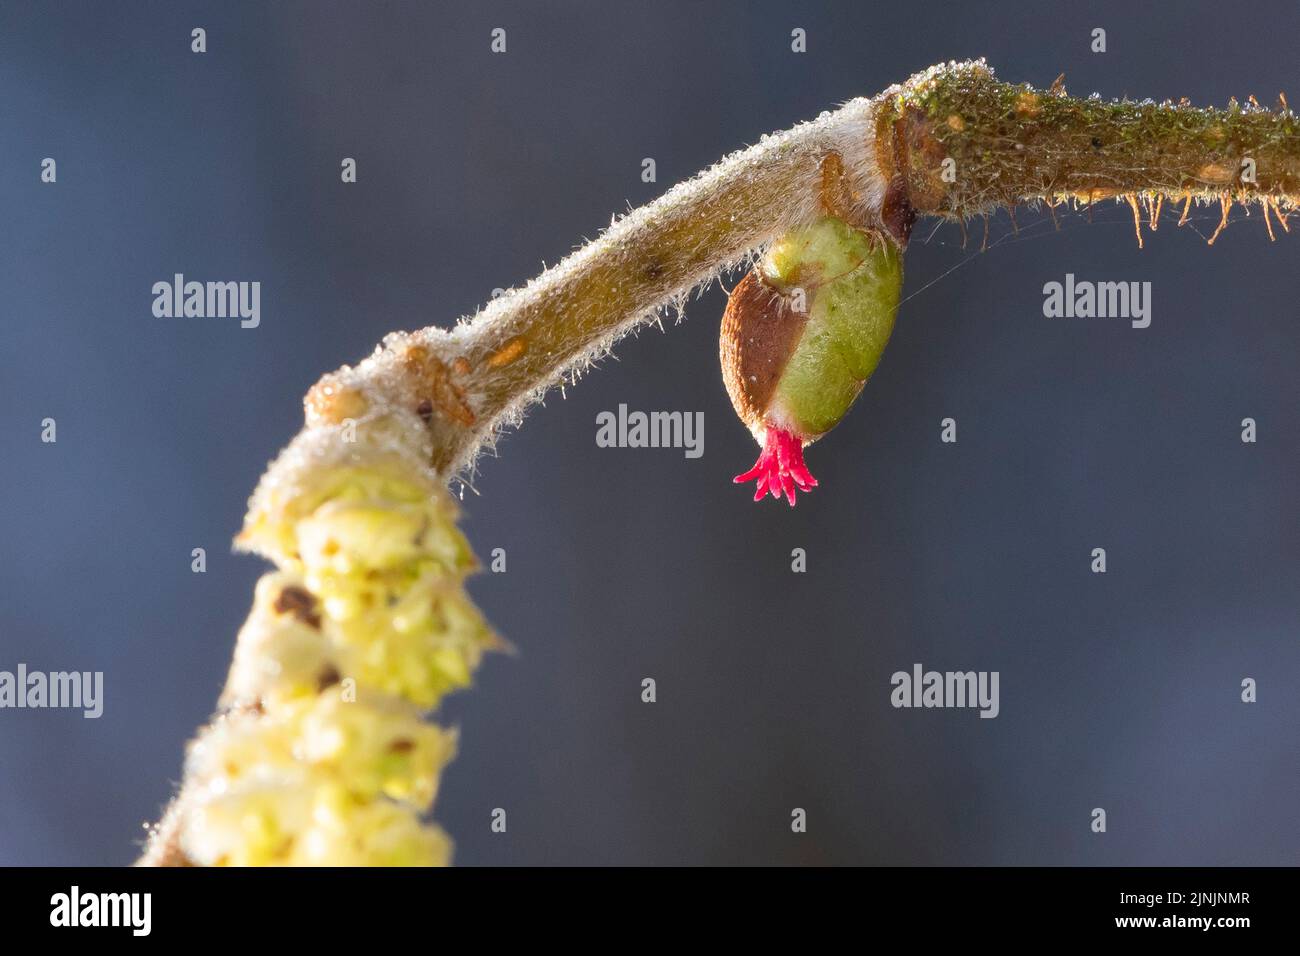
(760,331)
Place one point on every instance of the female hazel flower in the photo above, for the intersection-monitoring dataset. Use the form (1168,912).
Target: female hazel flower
(802,333)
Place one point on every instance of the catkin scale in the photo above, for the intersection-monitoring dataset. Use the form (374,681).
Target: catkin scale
(802,333)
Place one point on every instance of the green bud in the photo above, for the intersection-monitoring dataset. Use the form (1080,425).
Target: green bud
(802,334)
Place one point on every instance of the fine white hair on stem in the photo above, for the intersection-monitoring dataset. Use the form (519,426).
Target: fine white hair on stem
(496,363)
(875,162)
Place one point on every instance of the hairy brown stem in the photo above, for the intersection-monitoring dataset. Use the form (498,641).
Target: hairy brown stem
(951,142)
(1009,144)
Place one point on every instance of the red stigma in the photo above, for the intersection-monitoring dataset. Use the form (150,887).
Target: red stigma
(780,467)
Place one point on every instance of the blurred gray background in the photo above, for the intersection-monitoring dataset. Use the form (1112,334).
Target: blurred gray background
(1118,691)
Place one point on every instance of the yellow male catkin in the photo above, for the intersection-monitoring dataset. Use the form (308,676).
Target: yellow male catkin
(321,756)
